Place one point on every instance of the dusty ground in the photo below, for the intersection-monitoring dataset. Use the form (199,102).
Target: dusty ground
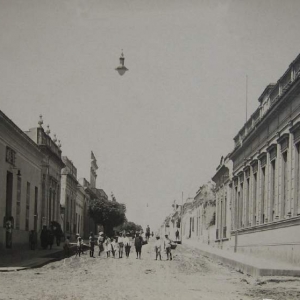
(188,276)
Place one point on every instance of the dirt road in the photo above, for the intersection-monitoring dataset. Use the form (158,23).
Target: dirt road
(188,276)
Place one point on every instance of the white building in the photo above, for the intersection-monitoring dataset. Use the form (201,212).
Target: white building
(20,185)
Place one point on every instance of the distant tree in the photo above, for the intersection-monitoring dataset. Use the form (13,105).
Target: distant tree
(128,227)
(113,198)
(108,213)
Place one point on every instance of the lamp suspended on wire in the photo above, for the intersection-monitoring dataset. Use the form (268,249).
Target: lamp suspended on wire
(121,68)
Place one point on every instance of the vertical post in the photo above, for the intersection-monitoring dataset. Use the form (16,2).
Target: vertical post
(246,98)
(181,217)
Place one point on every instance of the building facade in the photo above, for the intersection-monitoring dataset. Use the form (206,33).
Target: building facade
(223,190)
(20,181)
(266,171)
(51,173)
(68,198)
(81,208)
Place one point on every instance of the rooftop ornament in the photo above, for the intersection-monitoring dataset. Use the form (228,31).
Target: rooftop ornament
(41,122)
(48,130)
(121,68)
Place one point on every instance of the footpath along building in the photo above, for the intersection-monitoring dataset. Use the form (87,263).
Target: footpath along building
(265,198)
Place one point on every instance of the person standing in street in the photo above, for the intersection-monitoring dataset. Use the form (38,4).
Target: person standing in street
(100,242)
(157,247)
(114,247)
(79,246)
(147,233)
(167,247)
(32,239)
(138,243)
(92,244)
(127,244)
(44,237)
(177,235)
(50,237)
(107,244)
(121,245)
(67,247)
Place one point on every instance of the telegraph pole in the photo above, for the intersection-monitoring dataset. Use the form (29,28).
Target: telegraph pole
(181,214)
(246,98)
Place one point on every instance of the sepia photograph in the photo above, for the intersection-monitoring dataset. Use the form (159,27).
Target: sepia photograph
(149,150)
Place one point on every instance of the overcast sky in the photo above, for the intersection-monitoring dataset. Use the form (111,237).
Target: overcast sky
(162,128)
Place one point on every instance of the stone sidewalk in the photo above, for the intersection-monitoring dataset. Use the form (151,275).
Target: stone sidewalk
(21,259)
(249,265)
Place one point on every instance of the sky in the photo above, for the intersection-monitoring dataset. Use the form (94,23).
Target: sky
(159,130)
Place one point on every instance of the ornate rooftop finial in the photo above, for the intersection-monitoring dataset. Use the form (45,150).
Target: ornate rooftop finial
(41,122)
(48,130)
(121,68)
(59,144)
(54,138)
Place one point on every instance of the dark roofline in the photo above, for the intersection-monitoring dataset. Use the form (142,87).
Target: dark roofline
(18,130)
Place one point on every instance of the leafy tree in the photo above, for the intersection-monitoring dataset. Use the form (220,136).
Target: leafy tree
(128,227)
(108,213)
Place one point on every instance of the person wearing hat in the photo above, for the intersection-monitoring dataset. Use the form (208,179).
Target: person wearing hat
(127,244)
(100,242)
(157,247)
(167,246)
(138,243)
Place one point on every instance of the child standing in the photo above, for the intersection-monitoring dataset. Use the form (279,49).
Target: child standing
(79,246)
(127,244)
(121,245)
(167,246)
(92,244)
(100,242)
(138,243)
(107,244)
(157,247)
(114,247)
(67,246)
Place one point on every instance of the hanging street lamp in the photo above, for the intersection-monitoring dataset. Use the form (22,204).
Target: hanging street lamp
(121,68)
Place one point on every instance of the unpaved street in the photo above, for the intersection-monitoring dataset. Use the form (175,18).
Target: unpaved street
(188,276)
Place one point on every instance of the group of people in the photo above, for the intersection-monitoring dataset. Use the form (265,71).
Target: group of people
(114,247)
(47,237)
(167,244)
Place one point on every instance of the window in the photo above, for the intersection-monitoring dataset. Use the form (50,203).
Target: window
(18,208)
(241,205)
(284,183)
(247,202)
(36,192)
(10,156)
(254,196)
(273,187)
(27,206)
(262,203)
(297,198)
(236,207)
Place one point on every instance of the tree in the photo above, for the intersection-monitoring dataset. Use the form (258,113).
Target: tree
(108,213)
(128,227)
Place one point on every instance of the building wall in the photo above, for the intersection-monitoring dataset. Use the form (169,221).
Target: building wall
(80,205)
(52,165)
(26,189)
(266,169)
(280,244)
